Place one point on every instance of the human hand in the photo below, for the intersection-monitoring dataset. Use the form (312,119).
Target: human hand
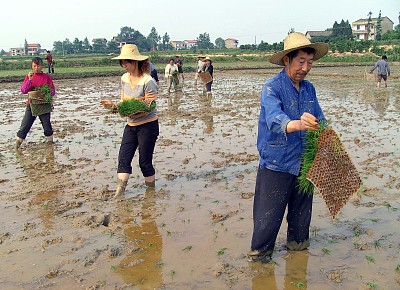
(107,104)
(308,122)
(30,75)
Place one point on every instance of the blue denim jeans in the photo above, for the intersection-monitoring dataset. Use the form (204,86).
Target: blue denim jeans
(28,120)
(208,86)
(142,136)
(274,192)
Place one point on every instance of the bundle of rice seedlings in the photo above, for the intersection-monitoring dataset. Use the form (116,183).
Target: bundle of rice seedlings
(308,156)
(41,95)
(134,106)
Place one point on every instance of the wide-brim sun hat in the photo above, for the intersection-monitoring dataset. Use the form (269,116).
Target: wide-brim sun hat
(208,58)
(295,41)
(130,51)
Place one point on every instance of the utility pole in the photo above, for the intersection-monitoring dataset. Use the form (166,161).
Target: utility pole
(255,38)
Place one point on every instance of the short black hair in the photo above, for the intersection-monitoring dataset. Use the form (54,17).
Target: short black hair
(37,60)
(384,57)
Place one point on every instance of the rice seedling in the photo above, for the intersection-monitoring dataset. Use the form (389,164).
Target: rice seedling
(372,285)
(233,280)
(377,244)
(187,248)
(172,273)
(299,285)
(129,107)
(159,265)
(370,259)
(221,251)
(397,269)
(326,251)
(308,155)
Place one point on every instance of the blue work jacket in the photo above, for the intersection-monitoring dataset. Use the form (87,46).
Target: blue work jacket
(281,103)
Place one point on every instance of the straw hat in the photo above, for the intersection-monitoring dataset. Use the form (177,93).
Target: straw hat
(130,51)
(207,58)
(295,41)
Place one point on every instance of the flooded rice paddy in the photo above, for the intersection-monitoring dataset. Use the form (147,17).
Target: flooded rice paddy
(61,230)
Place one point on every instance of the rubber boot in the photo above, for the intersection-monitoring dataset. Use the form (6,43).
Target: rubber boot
(150,183)
(18,143)
(121,186)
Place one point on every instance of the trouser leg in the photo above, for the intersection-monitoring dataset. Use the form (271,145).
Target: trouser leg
(46,124)
(299,219)
(270,201)
(26,123)
(127,150)
(147,137)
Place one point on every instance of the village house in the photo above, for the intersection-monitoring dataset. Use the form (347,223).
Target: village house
(231,43)
(177,44)
(190,44)
(311,34)
(360,28)
(33,49)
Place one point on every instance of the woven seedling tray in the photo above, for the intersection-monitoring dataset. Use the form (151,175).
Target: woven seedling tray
(129,108)
(205,77)
(333,173)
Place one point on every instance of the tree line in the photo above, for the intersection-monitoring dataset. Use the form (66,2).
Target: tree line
(153,42)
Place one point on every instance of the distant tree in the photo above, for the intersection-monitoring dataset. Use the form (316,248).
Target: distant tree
(220,43)
(77,45)
(153,39)
(57,47)
(68,48)
(3,52)
(130,35)
(26,47)
(165,41)
(369,24)
(86,45)
(378,35)
(203,41)
(341,31)
(112,46)
(248,46)
(395,34)
(100,45)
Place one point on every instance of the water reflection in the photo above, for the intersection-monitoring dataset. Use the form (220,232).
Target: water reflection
(378,99)
(206,113)
(39,165)
(295,276)
(174,101)
(143,266)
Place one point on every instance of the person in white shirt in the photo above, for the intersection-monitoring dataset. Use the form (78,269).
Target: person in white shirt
(171,75)
(199,69)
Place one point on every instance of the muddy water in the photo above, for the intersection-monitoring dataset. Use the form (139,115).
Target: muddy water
(60,229)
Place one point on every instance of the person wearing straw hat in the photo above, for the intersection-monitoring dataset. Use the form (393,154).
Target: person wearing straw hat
(141,130)
(289,107)
(200,65)
(208,67)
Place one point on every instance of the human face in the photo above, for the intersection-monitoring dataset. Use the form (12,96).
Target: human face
(299,66)
(129,65)
(37,68)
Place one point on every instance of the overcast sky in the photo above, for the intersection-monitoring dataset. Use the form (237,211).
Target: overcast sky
(249,21)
